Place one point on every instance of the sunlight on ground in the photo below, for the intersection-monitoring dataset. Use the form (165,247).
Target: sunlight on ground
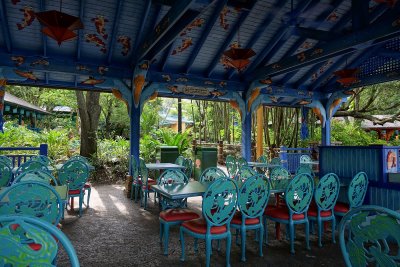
(119,205)
(97,203)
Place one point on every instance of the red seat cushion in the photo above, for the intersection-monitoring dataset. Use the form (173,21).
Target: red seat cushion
(173,215)
(282,213)
(237,219)
(313,212)
(74,192)
(342,207)
(200,226)
(87,185)
(151,181)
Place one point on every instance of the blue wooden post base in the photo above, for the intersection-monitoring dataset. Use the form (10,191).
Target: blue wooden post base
(135,133)
(246,136)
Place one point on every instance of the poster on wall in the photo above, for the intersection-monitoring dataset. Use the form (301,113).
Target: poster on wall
(391,161)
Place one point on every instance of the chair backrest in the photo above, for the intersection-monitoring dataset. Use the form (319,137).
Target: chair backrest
(299,193)
(31,165)
(370,236)
(276,161)
(41,158)
(253,196)
(231,165)
(36,175)
(279,178)
(305,169)
(241,162)
(244,173)
(32,198)
(211,174)
(81,158)
(305,159)
(172,176)
(28,241)
(219,202)
(262,159)
(142,166)
(134,164)
(74,173)
(327,191)
(7,160)
(188,164)
(5,173)
(357,189)
(179,160)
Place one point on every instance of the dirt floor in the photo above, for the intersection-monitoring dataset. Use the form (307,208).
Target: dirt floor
(115,231)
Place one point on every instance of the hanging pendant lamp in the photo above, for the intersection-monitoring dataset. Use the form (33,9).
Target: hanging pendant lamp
(58,25)
(347,77)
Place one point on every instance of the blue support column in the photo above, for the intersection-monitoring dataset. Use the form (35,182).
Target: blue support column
(134,134)
(43,149)
(326,133)
(304,126)
(2,93)
(246,136)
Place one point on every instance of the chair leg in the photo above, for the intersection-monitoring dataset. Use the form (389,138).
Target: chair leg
(208,251)
(161,231)
(266,231)
(228,249)
(81,196)
(308,235)
(333,230)
(319,232)
(260,240)
(196,245)
(291,236)
(243,241)
(136,193)
(166,238)
(145,200)
(182,244)
(88,196)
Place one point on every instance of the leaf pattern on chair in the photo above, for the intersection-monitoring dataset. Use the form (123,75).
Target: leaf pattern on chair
(31,165)
(369,230)
(219,201)
(31,198)
(5,174)
(74,173)
(357,189)
(16,245)
(36,175)
(327,191)
(254,195)
(305,169)
(279,178)
(211,174)
(244,173)
(299,193)
(305,159)
(231,165)
(172,177)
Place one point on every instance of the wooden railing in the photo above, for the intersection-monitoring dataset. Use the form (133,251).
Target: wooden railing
(19,155)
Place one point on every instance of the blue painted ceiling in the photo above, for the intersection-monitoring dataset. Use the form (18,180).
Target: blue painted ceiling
(298,44)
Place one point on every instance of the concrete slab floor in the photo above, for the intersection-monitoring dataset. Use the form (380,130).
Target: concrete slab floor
(115,231)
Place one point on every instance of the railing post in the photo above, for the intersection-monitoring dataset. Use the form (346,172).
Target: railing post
(283,156)
(43,149)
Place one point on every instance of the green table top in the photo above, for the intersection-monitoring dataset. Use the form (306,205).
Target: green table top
(62,190)
(163,166)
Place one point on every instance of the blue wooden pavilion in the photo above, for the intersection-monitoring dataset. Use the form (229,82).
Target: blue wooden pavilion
(168,48)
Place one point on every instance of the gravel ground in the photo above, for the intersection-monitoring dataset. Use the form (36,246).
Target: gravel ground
(115,231)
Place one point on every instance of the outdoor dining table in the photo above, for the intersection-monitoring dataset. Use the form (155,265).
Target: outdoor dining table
(262,164)
(313,162)
(163,166)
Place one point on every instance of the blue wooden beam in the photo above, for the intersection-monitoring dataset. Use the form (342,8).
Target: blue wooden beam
(140,32)
(166,23)
(44,37)
(164,59)
(389,53)
(227,42)
(318,35)
(117,19)
(360,14)
(260,30)
(199,44)
(375,34)
(4,26)
(59,85)
(80,32)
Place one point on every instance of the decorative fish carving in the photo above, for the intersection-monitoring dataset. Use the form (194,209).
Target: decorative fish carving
(94,39)
(100,23)
(29,17)
(126,44)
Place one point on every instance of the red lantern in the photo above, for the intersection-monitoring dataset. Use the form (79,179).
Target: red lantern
(347,77)
(238,58)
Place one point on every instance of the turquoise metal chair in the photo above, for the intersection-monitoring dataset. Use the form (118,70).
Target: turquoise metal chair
(262,159)
(298,196)
(28,241)
(253,198)
(136,183)
(5,174)
(42,158)
(32,198)
(370,236)
(36,175)
(188,164)
(7,160)
(31,165)
(231,166)
(276,161)
(179,160)
(145,186)
(279,178)
(325,196)
(211,174)
(355,194)
(305,159)
(74,173)
(241,162)
(243,174)
(305,169)
(218,207)
(81,158)
(87,187)
(169,177)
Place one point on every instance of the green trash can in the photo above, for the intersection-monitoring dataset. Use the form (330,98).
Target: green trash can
(166,154)
(205,157)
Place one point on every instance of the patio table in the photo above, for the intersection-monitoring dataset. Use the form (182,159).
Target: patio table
(262,164)
(163,166)
(314,162)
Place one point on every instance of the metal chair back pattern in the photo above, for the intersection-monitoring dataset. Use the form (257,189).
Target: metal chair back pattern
(231,165)
(305,159)
(188,164)
(27,241)
(211,174)
(81,158)
(262,159)
(244,173)
(42,158)
(357,189)
(252,201)
(5,173)
(370,236)
(7,160)
(279,178)
(305,169)
(299,193)
(31,165)
(73,173)
(32,198)
(276,161)
(134,164)
(172,177)
(180,160)
(142,166)
(241,162)
(36,175)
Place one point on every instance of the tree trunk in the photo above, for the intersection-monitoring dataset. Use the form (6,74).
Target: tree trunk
(89,113)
